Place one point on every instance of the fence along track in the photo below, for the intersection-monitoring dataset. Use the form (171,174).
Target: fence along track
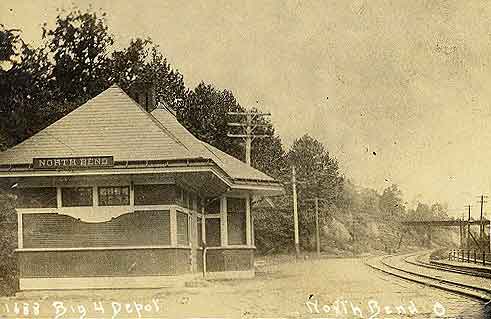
(448,268)
(469,291)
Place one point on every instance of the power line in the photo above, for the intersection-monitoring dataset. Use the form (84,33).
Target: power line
(481,225)
(248,129)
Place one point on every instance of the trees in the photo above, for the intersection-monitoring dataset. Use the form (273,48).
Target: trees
(142,62)
(79,45)
(204,113)
(9,40)
(317,175)
(75,63)
(25,92)
(391,203)
(317,169)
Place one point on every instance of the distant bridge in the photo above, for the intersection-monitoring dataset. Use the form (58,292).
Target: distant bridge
(466,236)
(444,223)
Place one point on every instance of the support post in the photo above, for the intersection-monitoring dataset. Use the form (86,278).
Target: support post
(59,202)
(248,221)
(203,221)
(20,232)
(194,234)
(132,194)
(95,196)
(203,235)
(173,227)
(223,221)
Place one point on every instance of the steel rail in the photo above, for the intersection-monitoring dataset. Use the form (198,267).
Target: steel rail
(469,291)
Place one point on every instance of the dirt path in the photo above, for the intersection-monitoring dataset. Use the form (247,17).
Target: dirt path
(336,288)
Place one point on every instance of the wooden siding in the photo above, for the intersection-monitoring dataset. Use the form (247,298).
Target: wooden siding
(141,228)
(228,259)
(104,263)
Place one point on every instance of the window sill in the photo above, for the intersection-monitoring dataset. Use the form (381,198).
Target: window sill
(101,248)
(229,247)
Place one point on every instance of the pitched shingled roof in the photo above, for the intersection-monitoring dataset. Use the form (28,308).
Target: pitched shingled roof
(112,124)
(232,166)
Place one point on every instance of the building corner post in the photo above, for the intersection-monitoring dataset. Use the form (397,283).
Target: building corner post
(223,222)
(173,226)
(249,224)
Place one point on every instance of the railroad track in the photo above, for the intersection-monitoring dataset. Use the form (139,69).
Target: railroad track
(402,266)
(417,261)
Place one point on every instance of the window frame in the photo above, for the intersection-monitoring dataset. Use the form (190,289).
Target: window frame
(25,198)
(188,229)
(121,187)
(171,196)
(91,192)
(233,212)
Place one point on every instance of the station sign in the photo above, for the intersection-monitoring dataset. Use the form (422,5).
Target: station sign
(68,163)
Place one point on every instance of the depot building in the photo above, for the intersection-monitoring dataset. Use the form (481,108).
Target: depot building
(117,195)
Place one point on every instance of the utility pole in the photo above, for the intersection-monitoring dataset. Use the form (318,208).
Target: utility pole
(317,233)
(248,129)
(480,232)
(248,135)
(469,227)
(481,225)
(295,212)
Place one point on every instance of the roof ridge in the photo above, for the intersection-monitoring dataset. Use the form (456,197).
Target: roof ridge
(157,122)
(45,129)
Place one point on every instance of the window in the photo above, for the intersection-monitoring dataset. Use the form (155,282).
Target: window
(199,232)
(76,196)
(212,229)
(114,196)
(158,194)
(236,221)
(182,229)
(212,206)
(36,197)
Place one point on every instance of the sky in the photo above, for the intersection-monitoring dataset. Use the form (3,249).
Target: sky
(398,91)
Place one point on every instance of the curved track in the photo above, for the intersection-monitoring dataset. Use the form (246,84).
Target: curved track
(470,284)
(424,261)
